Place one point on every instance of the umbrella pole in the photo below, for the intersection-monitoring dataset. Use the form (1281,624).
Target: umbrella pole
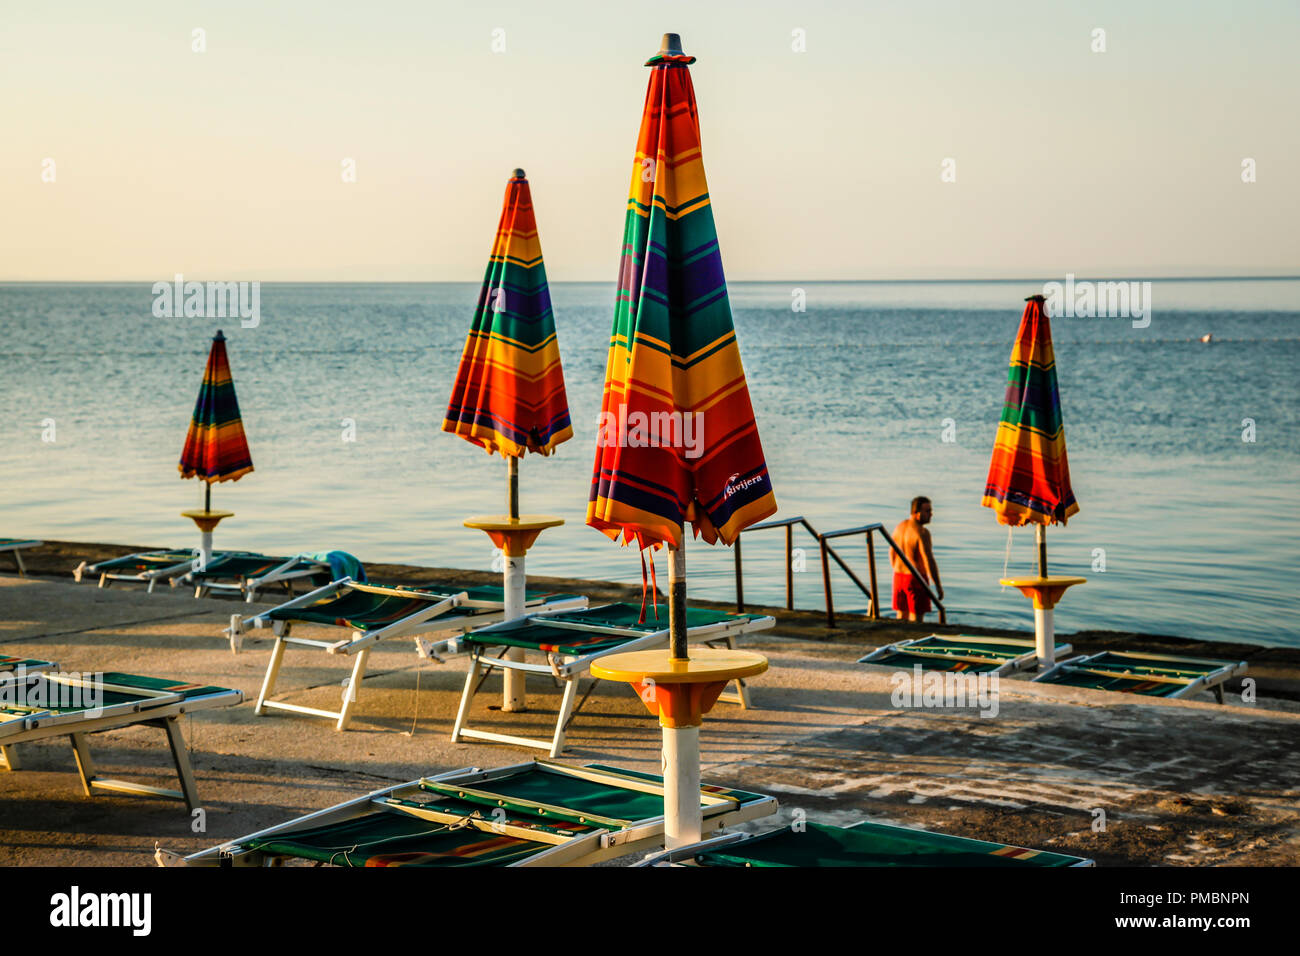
(514,691)
(683,821)
(205,534)
(1044,617)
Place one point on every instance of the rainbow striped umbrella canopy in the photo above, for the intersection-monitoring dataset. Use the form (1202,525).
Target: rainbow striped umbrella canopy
(677,439)
(509,393)
(1029,477)
(215,446)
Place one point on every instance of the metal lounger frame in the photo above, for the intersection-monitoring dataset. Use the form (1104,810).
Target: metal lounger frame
(915,648)
(580,850)
(431,620)
(16,548)
(152,577)
(165,716)
(569,668)
(1213,681)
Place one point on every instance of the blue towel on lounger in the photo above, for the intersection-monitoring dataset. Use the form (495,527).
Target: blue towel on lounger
(342,565)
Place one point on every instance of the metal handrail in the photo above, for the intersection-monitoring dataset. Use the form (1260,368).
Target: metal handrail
(828,553)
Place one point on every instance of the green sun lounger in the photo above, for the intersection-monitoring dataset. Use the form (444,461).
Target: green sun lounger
(962,652)
(24,665)
(15,547)
(34,706)
(570,641)
(374,612)
(1151,675)
(147,567)
(246,574)
(529,814)
(864,844)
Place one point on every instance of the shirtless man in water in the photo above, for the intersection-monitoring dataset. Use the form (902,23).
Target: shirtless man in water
(910,598)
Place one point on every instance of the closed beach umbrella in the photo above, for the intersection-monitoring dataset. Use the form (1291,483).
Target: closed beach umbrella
(215,446)
(677,439)
(509,393)
(1029,476)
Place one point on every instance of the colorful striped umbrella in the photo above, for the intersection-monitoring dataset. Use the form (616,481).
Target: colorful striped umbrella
(509,394)
(215,446)
(1029,477)
(677,439)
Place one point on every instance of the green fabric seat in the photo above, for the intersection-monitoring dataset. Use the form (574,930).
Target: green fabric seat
(899,659)
(147,561)
(252,566)
(874,844)
(1130,673)
(359,610)
(367,611)
(8,664)
(395,839)
(579,799)
(537,634)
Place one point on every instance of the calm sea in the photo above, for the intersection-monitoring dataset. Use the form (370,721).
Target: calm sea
(877,392)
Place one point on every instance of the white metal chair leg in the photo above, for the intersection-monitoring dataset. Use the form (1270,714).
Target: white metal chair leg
(78,571)
(85,765)
(741,695)
(18,556)
(353,688)
(471,678)
(181,757)
(10,756)
(272,673)
(566,710)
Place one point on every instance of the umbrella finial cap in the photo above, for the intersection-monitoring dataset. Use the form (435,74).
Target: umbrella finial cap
(219,337)
(671,45)
(518,173)
(1038,297)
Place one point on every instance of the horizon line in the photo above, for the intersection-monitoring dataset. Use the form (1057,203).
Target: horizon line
(930,281)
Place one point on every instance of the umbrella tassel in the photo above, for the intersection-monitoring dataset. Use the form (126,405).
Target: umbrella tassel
(645,585)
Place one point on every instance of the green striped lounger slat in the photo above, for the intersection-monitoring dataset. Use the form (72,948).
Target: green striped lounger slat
(876,845)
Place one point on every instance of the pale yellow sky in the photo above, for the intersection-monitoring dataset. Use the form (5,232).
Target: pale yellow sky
(226,164)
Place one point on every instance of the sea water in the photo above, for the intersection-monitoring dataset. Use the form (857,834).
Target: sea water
(1184,455)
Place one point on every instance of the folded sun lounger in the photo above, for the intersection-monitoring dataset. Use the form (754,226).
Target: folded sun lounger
(962,652)
(373,612)
(34,706)
(1152,675)
(528,814)
(571,640)
(15,547)
(148,567)
(246,574)
(864,844)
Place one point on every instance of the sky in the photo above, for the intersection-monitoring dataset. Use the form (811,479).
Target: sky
(824,163)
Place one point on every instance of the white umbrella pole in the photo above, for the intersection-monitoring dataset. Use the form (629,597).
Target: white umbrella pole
(514,693)
(683,819)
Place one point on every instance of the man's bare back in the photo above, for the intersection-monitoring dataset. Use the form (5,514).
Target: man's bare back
(914,541)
